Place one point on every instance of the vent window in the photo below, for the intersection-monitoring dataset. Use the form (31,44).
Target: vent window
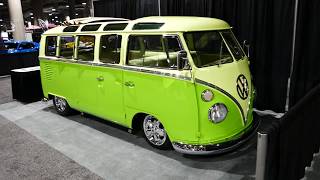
(92,27)
(145,26)
(70,29)
(115,27)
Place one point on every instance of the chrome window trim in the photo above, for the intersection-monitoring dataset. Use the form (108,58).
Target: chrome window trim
(150,71)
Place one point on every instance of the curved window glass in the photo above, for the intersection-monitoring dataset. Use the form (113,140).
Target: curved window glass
(233,44)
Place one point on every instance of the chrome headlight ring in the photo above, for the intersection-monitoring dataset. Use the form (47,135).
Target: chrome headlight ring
(217,113)
(207,95)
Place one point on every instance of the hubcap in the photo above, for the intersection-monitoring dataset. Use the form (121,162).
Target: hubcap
(154,130)
(60,103)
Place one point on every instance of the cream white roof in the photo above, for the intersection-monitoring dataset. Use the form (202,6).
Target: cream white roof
(170,24)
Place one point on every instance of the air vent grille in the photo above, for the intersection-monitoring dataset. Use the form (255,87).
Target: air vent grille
(48,72)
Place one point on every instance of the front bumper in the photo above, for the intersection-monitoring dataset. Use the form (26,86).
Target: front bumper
(217,148)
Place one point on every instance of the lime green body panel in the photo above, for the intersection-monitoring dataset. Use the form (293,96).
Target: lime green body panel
(171,100)
(176,102)
(78,84)
(231,128)
(224,77)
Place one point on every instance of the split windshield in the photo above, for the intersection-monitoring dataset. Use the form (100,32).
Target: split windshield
(207,48)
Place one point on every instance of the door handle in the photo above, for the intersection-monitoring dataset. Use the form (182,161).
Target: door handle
(100,78)
(129,84)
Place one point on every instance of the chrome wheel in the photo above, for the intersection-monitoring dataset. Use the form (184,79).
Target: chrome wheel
(60,103)
(154,131)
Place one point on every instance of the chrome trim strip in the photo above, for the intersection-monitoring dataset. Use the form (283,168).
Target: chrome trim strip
(117,66)
(149,71)
(226,93)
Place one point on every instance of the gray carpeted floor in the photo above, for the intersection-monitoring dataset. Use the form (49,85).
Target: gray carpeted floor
(5,89)
(23,156)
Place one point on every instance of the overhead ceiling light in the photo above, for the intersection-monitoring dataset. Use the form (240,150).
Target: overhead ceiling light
(1,20)
(77,14)
(50,14)
(56,17)
(84,3)
(57,21)
(53,9)
(67,6)
(31,17)
(31,14)
(1,4)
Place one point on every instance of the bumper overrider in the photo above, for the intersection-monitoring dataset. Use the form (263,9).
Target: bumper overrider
(220,147)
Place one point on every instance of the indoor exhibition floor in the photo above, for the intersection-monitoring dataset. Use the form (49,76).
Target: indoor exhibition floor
(37,143)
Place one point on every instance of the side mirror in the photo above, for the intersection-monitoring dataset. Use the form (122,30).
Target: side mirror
(182,60)
(246,47)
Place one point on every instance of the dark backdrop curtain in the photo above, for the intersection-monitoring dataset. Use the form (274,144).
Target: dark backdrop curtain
(266,24)
(306,73)
(130,9)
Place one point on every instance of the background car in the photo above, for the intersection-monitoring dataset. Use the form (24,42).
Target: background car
(19,47)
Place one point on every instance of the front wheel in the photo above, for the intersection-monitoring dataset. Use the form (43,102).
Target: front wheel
(61,106)
(155,133)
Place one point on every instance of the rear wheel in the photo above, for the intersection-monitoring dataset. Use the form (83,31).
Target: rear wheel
(155,133)
(62,106)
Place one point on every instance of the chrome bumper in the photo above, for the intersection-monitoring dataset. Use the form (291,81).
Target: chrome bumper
(217,148)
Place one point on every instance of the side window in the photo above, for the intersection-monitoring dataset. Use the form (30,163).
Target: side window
(66,47)
(110,46)
(86,48)
(153,51)
(51,46)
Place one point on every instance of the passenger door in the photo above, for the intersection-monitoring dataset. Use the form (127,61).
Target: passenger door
(87,83)
(110,78)
(153,85)
(65,84)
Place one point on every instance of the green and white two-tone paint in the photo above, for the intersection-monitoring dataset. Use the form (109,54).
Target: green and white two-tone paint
(183,81)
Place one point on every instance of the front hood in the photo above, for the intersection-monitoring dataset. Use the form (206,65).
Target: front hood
(232,79)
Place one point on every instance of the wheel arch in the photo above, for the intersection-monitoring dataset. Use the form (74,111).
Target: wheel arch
(136,124)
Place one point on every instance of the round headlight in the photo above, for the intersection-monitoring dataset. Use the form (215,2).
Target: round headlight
(207,95)
(218,112)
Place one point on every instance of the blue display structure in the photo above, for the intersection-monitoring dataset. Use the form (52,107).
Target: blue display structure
(11,47)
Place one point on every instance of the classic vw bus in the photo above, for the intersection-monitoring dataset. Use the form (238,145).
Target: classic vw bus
(183,81)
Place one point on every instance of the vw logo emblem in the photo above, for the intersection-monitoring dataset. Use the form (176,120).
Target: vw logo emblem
(242,87)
